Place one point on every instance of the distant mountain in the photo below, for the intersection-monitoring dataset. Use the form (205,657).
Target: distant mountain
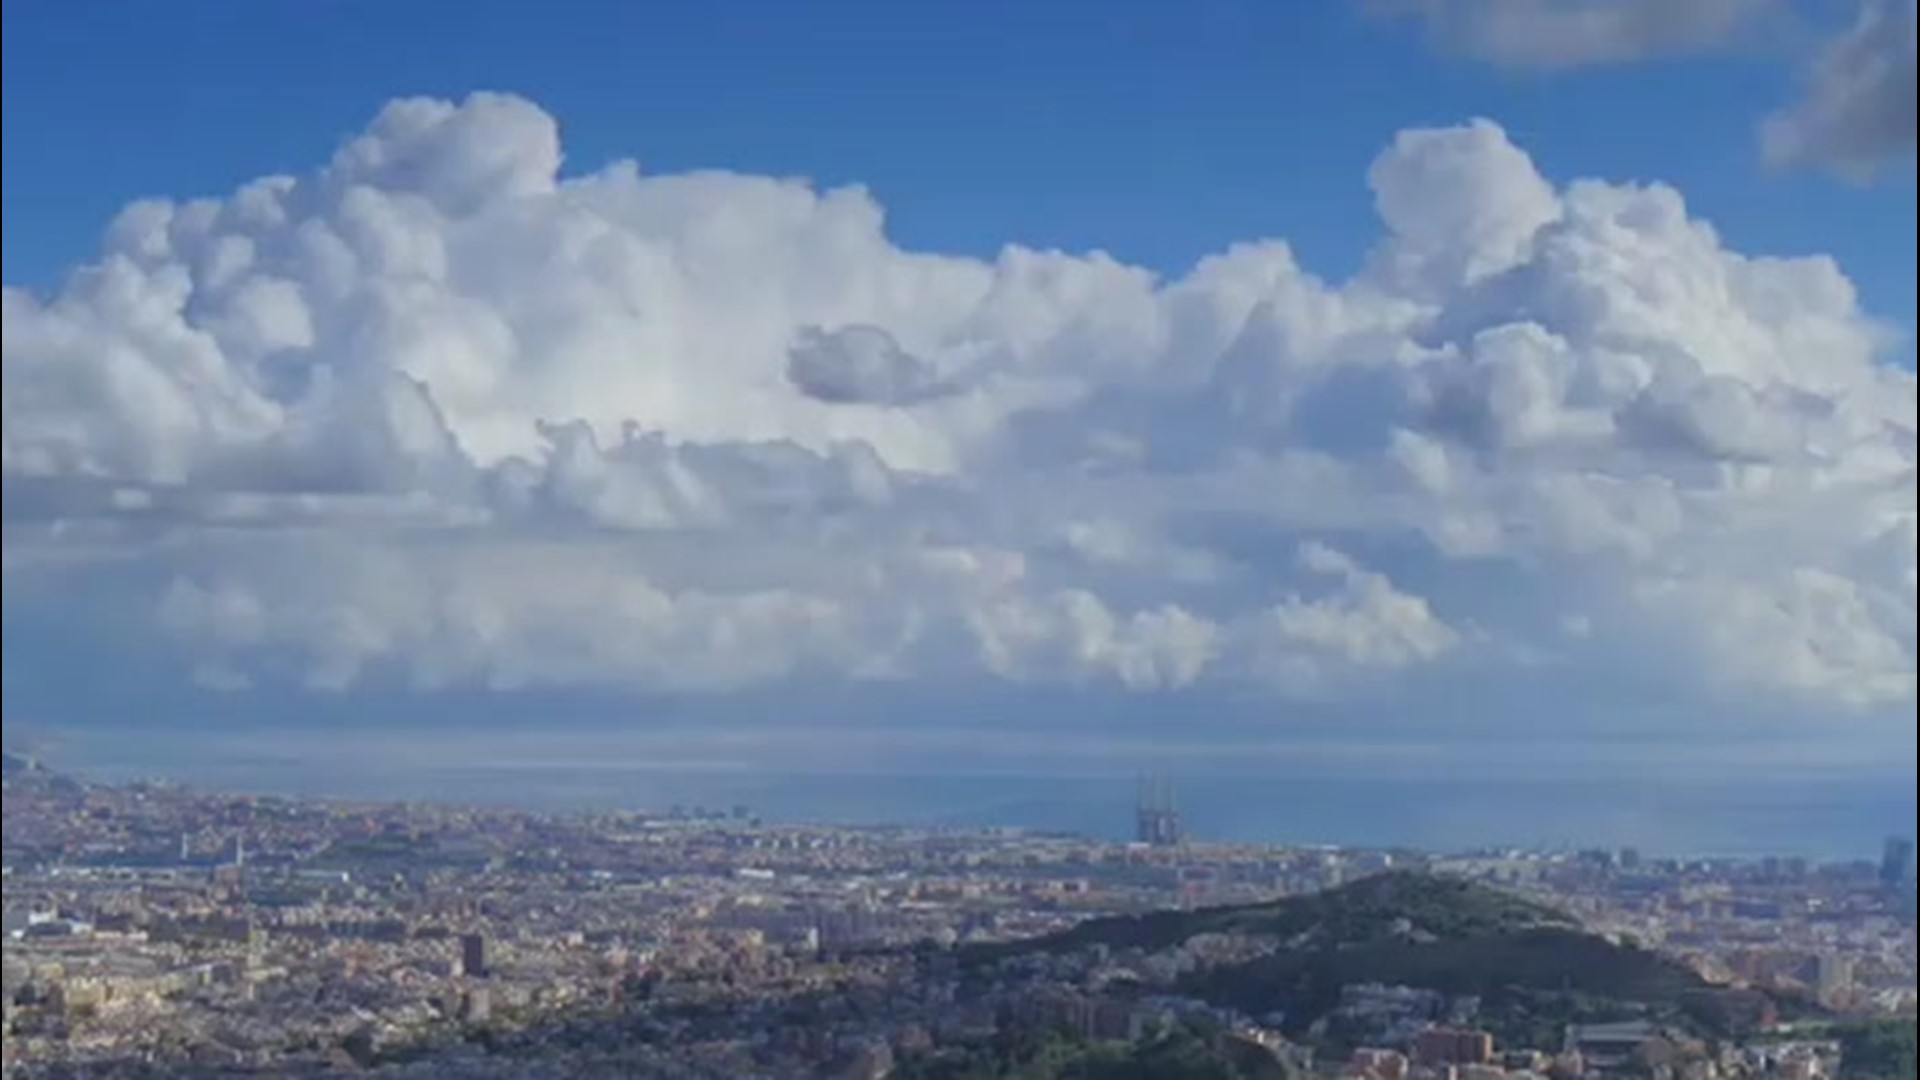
(1531,966)
(21,774)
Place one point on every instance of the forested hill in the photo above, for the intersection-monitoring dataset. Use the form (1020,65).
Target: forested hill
(1397,906)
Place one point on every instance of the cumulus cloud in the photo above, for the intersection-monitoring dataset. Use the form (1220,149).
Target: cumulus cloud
(860,364)
(1562,34)
(436,414)
(1858,110)
(1364,624)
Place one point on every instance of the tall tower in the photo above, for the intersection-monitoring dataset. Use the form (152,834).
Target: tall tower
(1896,861)
(1156,816)
(1171,834)
(473,956)
(1143,818)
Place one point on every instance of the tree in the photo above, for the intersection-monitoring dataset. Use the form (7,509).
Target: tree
(1878,1051)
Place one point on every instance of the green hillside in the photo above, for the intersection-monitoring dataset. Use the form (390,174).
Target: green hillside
(1390,906)
(1531,982)
(1182,1053)
(1878,1051)
(1532,966)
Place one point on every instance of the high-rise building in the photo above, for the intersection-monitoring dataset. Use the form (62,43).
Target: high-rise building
(473,956)
(1896,860)
(1380,1064)
(1833,976)
(1156,818)
(1453,1046)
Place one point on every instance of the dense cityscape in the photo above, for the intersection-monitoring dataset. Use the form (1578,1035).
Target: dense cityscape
(156,929)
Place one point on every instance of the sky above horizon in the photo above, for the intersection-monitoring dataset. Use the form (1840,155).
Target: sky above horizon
(1487,386)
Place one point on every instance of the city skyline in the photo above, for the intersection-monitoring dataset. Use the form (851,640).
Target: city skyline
(476,941)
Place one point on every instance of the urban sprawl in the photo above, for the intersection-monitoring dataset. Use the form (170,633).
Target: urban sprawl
(153,929)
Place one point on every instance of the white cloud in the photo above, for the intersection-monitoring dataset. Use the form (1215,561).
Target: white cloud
(860,365)
(502,614)
(437,414)
(1858,112)
(1364,625)
(1807,632)
(1073,634)
(1855,116)
(1560,34)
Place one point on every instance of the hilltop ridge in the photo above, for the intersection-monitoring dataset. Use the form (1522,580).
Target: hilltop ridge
(1402,905)
(1530,968)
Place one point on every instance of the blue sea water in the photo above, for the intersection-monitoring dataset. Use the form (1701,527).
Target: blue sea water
(1540,771)
(1818,816)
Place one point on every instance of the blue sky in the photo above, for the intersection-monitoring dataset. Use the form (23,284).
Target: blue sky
(1502,447)
(1159,133)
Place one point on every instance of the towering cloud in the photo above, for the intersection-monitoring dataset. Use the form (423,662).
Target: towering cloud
(437,414)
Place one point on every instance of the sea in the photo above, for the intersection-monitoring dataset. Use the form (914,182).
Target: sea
(1819,816)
